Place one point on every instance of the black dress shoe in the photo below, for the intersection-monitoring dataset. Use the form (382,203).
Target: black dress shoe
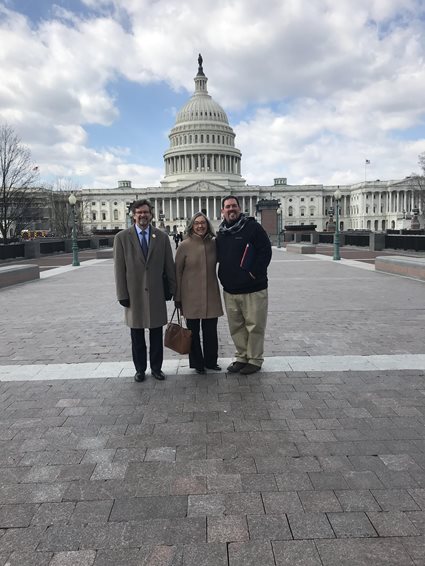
(139,376)
(215,368)
(159,375)
(201,371)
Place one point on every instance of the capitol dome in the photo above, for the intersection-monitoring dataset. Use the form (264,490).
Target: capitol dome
(200,107)
(202,144)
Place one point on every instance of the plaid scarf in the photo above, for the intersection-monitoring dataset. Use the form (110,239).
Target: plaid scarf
(225,228)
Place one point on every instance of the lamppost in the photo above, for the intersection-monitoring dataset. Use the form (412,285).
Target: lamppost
(279,225)
(337,198)
(72,201)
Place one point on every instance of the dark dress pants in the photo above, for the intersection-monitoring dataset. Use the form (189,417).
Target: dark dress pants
(207,358)
(156,349)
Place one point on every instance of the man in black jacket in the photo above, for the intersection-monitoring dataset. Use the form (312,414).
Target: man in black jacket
(244,253)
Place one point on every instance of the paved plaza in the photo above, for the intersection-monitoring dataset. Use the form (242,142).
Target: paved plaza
(318,460)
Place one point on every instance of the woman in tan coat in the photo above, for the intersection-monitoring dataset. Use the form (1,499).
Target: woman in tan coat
(197,292)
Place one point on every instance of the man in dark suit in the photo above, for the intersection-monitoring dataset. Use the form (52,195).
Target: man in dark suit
(142,257)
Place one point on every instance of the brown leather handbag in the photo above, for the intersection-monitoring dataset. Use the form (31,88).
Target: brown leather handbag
(176,337)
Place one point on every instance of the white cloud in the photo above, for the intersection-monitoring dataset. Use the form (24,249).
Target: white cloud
(327,83)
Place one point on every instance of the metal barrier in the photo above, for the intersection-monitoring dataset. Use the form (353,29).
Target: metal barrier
(405,242)
(326,238)
(10,251)
(360,240)
(52,246)
(83,244)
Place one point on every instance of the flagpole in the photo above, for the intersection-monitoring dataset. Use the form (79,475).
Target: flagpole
(366,163)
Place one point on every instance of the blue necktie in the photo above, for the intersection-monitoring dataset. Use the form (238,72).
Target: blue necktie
(144,243)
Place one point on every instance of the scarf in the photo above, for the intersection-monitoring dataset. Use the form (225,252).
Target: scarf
(225,228)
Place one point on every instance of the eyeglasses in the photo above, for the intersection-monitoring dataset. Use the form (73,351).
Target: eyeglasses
(199,223)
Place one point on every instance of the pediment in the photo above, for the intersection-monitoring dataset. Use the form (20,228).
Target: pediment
(203,187)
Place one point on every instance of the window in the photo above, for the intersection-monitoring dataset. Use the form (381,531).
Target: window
(290,200)
(311,199)
(115,203)
(302,211)
(93,216)
(290,211)
(93,204)
(311,210)
(115,214)
(103,203)
(103,215)
(302,199)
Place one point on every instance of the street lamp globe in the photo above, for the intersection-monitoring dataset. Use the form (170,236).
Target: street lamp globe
(72,199)
(337,195)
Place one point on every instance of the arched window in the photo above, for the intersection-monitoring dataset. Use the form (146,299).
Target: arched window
(115,214)
(290,211)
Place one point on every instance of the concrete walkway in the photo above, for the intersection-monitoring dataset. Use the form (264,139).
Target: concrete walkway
(317,460)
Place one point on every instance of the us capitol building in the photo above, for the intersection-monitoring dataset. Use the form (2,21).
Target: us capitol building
(202,165)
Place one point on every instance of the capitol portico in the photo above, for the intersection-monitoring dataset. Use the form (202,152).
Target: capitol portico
(202,165)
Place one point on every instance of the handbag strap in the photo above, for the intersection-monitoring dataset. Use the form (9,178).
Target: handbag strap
(179,322)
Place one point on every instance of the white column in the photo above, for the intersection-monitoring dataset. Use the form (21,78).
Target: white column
(178,207)
(185,208)
(192,206)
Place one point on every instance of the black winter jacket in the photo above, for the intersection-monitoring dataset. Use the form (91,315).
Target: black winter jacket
(230,249)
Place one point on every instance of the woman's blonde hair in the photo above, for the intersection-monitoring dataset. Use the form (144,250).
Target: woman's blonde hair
(210,232)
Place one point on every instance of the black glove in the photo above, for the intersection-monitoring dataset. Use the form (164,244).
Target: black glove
(178,304)
(125,303)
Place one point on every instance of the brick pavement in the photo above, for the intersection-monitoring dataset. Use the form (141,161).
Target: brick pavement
(278,468)
(317,307)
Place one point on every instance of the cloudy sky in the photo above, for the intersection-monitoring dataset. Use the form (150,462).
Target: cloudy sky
(312,88)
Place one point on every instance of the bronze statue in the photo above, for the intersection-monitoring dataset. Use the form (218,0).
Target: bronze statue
(200,61)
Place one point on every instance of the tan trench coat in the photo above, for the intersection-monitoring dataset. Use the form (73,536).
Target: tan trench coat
(140,280)
(196,278)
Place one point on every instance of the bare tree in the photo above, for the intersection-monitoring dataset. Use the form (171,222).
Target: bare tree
(18,176)
(417,183)
(60,209)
